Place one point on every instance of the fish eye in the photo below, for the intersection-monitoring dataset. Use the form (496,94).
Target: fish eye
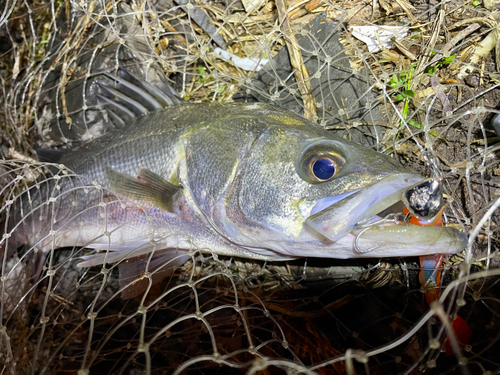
(317,167)
(323,168)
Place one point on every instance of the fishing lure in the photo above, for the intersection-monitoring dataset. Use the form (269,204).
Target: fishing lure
(426,200)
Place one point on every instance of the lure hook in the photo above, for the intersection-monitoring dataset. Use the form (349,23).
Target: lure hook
(356,243)
(396,218)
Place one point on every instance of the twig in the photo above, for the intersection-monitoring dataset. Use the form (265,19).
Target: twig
(422,63)
(432,9)
(460,36)
(300,71)
(491,23)
(170,28)
(497,51)
(313,4)
(403,49)
(407,8)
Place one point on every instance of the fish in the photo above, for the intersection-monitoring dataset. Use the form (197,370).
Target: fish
(236,179)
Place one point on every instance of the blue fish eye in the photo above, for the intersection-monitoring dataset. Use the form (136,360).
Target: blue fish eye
(323,169)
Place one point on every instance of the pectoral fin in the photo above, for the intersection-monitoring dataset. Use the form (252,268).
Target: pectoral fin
(148,187)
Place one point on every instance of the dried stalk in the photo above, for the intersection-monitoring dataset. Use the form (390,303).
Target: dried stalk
(300,71)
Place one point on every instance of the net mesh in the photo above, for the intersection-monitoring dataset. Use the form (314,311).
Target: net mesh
(428,97)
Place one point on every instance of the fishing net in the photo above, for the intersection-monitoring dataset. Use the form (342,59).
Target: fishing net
(421,86)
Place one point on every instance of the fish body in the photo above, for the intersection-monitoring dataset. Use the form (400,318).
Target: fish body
(246,180)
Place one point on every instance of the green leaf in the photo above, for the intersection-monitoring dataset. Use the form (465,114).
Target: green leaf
(405,95)
(418,126)
(449,60)
(415,124)
(432,69)
(394,82)
(201,70)
(476,3)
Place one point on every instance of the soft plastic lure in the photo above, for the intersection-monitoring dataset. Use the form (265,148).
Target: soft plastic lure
(430,278)
(430,274)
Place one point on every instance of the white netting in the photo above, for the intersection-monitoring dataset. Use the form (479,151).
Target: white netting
(429,100)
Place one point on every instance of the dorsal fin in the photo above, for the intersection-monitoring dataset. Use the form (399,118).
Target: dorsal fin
(104,100)
(164,93)
(132,96)
(135,90)
(116,95)
(117,120)
(49,155)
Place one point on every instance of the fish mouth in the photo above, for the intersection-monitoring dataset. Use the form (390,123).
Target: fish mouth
(362,220)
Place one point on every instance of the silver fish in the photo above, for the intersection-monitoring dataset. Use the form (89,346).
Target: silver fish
(245,180)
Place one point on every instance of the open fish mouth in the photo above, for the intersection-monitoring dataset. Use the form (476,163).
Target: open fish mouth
(365,219)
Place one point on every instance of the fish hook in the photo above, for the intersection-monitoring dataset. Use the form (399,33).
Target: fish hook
(396,218)
(356,243)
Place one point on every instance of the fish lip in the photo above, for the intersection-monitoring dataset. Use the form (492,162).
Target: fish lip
(338,219)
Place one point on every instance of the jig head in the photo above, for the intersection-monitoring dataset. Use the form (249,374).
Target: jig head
(425,199)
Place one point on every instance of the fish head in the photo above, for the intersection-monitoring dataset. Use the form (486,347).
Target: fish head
(300,191)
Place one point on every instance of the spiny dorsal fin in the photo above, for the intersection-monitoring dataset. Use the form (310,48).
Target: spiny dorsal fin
(49,155)
(135,90)
(117,120)
(104,100)
(164,93)
(132,96)
(121,99)
(148,187)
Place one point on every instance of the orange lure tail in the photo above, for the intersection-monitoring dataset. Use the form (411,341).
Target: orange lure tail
(430,278)
(430,273)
